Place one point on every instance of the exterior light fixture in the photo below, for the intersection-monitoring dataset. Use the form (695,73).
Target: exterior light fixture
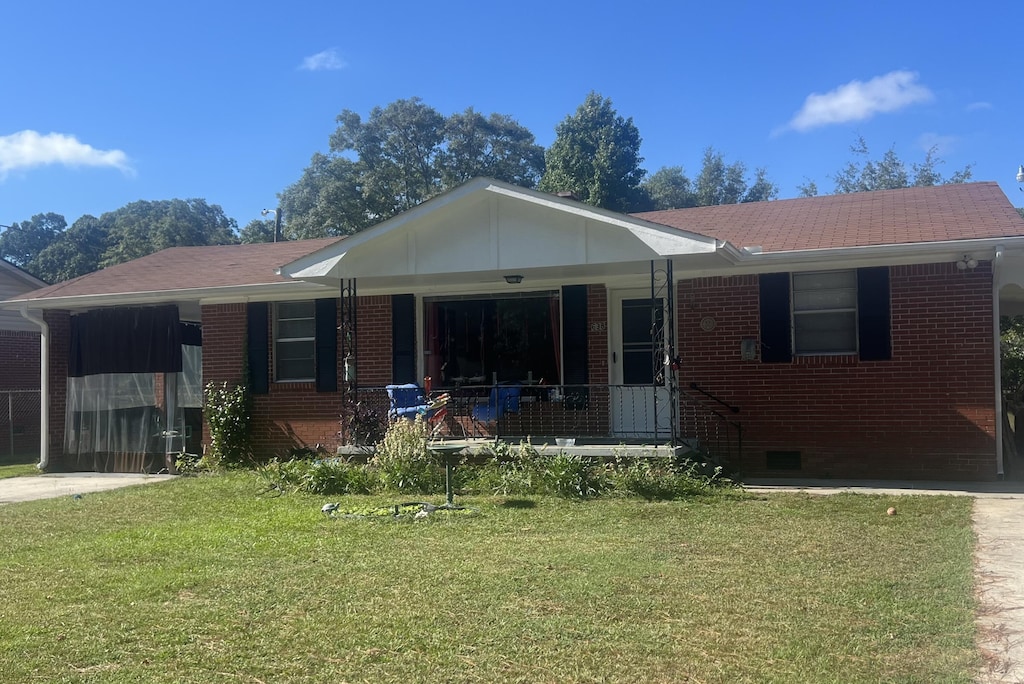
(1020,174)
(514,278)
(277,220)
(967,263)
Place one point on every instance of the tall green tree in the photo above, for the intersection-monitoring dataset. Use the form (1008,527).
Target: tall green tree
(257,230)
(22,242)
(76,252)
(670,188)
(890,172)
(144,227)
(495,146)
(596,156)
(45,247)
(717,183)
(401,155)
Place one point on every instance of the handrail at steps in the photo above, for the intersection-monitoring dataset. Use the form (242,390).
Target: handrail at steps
(697,388)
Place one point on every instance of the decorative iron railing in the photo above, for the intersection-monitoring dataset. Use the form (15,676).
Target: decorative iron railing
(710,426)
(541,412)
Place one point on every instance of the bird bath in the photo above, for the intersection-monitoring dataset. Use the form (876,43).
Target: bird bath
(446,450)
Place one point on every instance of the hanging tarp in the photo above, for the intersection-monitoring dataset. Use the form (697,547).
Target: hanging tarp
(126,340)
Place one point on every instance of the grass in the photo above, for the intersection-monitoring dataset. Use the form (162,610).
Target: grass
(18,465)
(198,580)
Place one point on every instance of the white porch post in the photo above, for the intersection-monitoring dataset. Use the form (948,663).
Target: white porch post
(44,387)
(997,351)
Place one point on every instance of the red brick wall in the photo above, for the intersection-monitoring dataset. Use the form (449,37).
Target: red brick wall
(374,341)
(294,414)
(19,360)
(926,413)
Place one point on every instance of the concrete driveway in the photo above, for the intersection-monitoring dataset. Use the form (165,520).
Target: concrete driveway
(52,485)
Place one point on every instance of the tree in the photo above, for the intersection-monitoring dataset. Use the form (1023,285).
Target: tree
(403,154)
(596,155)
(717,183)
(669,188)
(397,149)
(863,174)
(496,147)
(54,253)
(144,227)
(22,242)
(76,252)
(257,230)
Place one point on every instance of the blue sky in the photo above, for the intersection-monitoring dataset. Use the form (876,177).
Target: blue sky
(105,103)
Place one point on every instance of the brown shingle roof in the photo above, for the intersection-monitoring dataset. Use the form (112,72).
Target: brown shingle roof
(181,268)
(934,214)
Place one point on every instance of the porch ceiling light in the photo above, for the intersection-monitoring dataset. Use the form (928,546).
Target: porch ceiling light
(967,262)
(513,278)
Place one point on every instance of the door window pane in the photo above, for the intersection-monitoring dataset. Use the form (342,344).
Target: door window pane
(641,335)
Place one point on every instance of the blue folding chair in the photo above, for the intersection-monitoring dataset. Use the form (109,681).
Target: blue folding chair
(407,401)
(503,399)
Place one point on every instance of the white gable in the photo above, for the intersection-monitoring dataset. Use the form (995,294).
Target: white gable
(486,226)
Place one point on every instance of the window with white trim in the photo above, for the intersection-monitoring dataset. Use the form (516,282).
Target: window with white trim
(825,312)
(294,341)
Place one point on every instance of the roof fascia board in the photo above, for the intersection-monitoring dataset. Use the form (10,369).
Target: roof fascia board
(872,255)
(221,295)
(593,213)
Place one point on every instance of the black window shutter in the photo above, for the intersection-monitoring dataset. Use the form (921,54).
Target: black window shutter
(575,360)
(403,338)
(873,325)
(326,345)
(258,349)
(776,328)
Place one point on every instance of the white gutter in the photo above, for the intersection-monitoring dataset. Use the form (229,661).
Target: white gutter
(997,351)
(285,290)
(44,387)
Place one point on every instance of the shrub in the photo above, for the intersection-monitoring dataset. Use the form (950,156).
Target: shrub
(227,414)
(402,460)
(362,425)
(573,477)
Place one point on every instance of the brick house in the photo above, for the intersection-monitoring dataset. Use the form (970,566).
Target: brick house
(839,336)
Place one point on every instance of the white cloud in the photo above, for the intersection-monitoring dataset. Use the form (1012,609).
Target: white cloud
(328,60)
(858,101)
(28,149)
(978,106)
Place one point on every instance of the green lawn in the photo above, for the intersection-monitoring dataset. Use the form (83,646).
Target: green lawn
(18,465)
(199,580)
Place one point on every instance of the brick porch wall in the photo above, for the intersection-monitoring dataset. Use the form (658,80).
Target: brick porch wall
(926,413)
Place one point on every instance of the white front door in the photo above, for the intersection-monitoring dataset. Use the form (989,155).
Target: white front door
(640,399)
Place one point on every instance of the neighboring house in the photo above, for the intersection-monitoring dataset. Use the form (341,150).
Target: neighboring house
(840,336)
(19,368)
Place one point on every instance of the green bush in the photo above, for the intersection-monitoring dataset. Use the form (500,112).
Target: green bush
(573,477)
(227,413)
(402,461)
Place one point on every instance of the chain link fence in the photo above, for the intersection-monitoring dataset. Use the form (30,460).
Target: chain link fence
(19,426)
